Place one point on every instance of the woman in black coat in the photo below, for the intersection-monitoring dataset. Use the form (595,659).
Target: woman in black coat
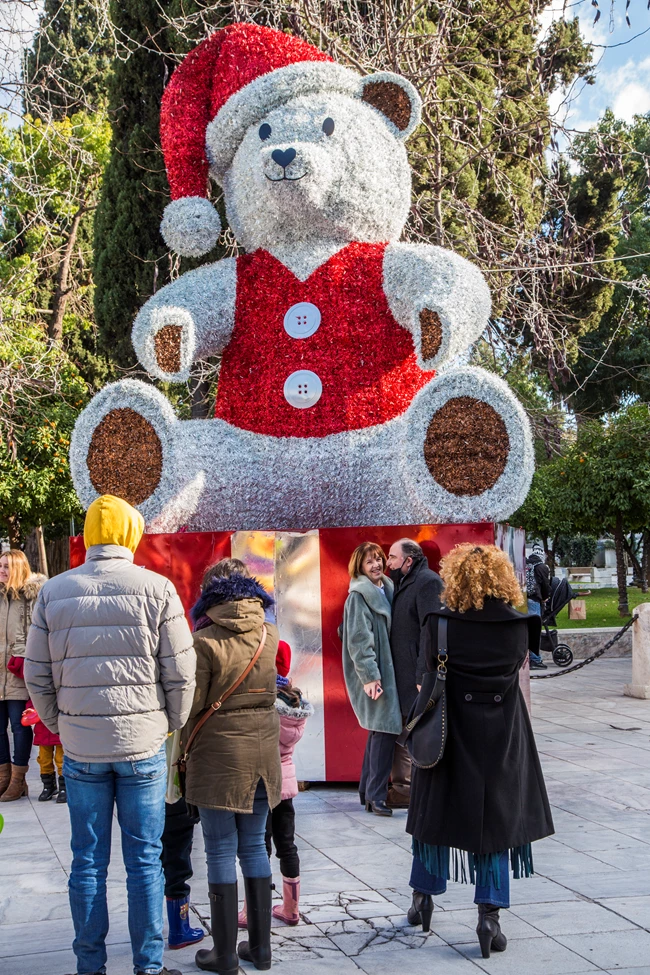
(479,809)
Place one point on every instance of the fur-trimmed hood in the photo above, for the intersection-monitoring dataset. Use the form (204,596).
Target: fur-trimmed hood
(286,711)
(32,586)
(228,590)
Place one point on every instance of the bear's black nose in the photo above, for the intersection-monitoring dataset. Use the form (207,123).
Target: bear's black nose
(283,156)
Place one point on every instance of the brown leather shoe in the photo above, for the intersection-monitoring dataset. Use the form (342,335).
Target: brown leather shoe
(397,800)
(17,786)
(5,776)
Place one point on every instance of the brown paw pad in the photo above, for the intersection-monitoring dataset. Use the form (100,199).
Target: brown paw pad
(431,331)
(167,343)
(466,447)
(125,456)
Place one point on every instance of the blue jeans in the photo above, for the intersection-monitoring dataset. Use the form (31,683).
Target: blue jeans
(138,791)
(228,834)
(426,883)
(535,608)
(11,713)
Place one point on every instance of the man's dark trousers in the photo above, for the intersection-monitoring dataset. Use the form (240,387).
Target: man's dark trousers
(176,853)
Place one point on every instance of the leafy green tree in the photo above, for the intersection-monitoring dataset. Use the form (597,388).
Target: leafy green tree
(50,173)
(41,393)
(577,549)
(547,512)
(50,176)
(607,476)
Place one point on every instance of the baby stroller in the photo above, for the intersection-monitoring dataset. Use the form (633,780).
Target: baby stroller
(561,594)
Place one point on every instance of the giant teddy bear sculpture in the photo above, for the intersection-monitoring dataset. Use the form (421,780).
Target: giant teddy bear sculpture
(336,404)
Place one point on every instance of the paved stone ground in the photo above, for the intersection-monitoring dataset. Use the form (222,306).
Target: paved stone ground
(587,909)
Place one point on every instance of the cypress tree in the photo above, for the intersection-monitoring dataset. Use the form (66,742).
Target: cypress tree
(131,261)
(67,68)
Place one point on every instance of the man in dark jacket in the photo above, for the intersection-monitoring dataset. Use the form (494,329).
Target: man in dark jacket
(538,589)
(417,593)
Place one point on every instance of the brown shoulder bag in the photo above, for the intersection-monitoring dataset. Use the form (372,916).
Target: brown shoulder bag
(181,763)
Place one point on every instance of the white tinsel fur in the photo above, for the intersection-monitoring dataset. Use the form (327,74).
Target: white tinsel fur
(190,226)
(356,186)
(248,107)
(203,302)
(217,477)
(352,185)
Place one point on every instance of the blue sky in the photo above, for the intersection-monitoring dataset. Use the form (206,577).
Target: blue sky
(622,58)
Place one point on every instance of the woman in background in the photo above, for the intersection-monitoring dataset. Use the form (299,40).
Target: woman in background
(369,671)
(19,587)
(485,802)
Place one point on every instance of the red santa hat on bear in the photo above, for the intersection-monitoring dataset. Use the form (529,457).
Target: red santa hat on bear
(229,82)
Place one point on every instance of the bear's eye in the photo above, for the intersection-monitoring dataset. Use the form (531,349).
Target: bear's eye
(328,126)
(265,131)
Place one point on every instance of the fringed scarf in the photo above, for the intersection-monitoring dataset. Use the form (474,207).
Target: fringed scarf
(473,868)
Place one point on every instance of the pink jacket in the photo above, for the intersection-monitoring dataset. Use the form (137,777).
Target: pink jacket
(292,726)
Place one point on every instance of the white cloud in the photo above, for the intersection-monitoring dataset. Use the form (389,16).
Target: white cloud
(633,99)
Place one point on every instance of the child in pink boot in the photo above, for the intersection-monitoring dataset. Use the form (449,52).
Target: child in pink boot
(280,825)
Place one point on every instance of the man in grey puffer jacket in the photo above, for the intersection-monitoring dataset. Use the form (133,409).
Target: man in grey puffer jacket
(110,667)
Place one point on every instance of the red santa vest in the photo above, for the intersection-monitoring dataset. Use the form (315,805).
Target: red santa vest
(315,357)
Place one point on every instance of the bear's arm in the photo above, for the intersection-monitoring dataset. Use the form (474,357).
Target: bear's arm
(439,297)
(186,320)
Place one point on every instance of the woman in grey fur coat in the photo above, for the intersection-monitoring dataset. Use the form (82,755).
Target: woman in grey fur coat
(369,672)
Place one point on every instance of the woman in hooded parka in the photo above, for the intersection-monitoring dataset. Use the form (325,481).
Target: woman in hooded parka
(234,774)
(19,588)
(475,814)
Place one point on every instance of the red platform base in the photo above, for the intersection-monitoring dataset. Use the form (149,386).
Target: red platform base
(308,576)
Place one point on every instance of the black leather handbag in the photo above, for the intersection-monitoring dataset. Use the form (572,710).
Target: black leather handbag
(425,732)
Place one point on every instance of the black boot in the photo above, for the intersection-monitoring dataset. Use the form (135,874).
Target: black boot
(379,808)
(258,905)
(421,910)
(222,958)
(49,787)
(488,929)
(63,795)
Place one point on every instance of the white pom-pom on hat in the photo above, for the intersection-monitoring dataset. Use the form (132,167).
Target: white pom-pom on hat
(190,226)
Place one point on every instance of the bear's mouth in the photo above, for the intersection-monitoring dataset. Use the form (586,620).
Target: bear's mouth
(285,179)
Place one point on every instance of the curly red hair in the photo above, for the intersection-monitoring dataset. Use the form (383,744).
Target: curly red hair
(473,573)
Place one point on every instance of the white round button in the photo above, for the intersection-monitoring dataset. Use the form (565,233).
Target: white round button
(302,320)
(302,389)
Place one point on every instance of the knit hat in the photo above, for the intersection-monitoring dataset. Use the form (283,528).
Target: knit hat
(226,84)
(283,659)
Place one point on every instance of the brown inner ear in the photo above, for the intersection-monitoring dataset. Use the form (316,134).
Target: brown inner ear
(391,99)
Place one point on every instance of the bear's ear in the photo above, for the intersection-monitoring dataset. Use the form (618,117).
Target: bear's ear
(395,98)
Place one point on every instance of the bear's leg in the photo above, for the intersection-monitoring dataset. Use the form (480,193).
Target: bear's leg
(126,443)
(207,475)
(468,453)
(258,482)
